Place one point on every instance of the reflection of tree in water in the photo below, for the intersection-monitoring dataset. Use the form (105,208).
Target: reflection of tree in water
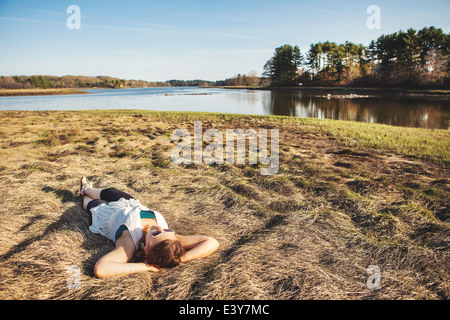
(283,103)
(425,112)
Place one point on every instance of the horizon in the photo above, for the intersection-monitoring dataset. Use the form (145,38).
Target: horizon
(187,40)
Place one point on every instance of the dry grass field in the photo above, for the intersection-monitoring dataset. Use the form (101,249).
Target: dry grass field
(346,196)
(36,91)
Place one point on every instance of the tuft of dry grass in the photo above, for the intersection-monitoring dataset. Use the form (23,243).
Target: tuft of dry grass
(308,232)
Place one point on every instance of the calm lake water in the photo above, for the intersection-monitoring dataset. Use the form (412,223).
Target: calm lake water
(410,111)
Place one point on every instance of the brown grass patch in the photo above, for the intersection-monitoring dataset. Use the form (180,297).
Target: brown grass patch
(308,232)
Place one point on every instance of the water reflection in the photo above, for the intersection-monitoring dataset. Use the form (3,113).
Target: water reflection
(410,111)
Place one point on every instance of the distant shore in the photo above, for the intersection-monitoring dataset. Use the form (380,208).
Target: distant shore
(345,91)
(348,90)
(36,92)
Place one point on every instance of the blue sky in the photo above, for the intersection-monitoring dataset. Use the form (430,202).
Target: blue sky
(187,39)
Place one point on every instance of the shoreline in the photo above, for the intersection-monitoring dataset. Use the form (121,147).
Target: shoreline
(342,91)
(348,90)
(40,92)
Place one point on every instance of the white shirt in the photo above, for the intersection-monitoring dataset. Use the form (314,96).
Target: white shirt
(108,217)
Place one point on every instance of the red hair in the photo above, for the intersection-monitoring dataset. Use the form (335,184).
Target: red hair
(166,254)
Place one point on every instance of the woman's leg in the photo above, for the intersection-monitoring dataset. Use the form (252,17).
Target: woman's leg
(93,197)
(86,200)
(109,194)
(93,193)
(89,203)
(112,194)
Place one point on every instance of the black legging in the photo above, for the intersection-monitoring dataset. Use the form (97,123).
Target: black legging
(106,196)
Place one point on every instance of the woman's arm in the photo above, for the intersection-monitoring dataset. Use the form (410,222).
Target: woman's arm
(197,246)
(111,268)
(115,263)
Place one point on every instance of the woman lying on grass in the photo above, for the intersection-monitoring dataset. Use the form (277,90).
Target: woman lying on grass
(142,238)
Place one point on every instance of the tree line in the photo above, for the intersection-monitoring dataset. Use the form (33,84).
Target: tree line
(41,81)
(401,59)
(243,80)
(409,59)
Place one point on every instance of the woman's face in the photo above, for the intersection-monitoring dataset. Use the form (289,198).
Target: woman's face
(151,241)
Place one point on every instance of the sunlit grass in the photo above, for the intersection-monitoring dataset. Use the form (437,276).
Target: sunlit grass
(429,144)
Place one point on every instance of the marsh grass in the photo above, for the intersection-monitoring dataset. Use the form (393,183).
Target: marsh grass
(341,201)
(430,144)
(35,91)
